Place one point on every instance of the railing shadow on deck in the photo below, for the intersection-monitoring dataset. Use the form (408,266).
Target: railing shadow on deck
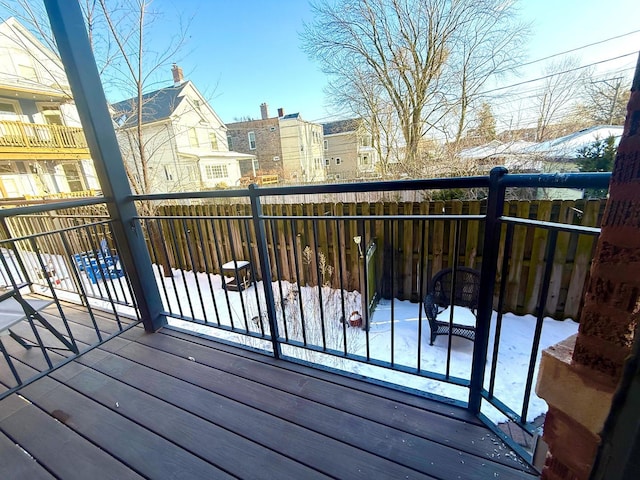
(290,281)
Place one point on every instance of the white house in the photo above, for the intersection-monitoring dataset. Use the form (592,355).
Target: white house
(43,151)
(183,139)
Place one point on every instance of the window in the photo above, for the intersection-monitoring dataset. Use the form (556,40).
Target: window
(365,160)
(213,138)
(365,141)
(74,176)
(276,159)
(326,162)
(51,113)
(216,171)
(338,161)
(230,142)
(252,140)
(9,106)
(337,177)
(193,137)
(326,144)
(168,173)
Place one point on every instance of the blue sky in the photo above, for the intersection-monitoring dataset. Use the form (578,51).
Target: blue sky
(243,53)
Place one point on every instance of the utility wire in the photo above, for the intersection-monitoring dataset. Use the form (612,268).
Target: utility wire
(568,51)
(559,73)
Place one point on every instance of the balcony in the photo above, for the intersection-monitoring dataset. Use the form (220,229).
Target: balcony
(143,366)
(254,370)
(35,141)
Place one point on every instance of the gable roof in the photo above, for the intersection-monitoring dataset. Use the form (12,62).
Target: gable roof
(341,126)
(156,106)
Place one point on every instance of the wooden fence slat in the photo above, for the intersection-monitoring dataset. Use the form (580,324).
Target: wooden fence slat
(582,260)
(514,282)
(406,263)
(473,233)
(536,262)
(559,260)
(438,238)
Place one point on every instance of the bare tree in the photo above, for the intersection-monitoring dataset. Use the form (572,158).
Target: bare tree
(488,49)
(562,85)
(604,101)
(130,65)
(407,52)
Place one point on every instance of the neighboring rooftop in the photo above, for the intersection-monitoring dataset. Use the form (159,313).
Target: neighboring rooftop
(570,145)
(157,105)
(340,126)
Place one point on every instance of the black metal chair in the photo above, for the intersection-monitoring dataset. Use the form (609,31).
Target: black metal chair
(438,299)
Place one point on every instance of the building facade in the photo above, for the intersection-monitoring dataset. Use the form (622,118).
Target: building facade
(43,151)
(286,145)
(183,146)
(348,150)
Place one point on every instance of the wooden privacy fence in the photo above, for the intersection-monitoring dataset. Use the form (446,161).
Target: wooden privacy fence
(307,243)
(314,243)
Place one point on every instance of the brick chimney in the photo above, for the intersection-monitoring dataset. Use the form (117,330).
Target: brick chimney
(178,77)
(264,111)
(579,376)
(281,112)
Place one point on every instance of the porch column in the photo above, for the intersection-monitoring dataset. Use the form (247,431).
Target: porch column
(579,376)
(68,27)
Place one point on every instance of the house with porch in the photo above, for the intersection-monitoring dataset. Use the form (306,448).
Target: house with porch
(43,151)
(184,141)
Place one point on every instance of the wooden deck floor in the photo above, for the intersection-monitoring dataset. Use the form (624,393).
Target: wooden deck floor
(170,405)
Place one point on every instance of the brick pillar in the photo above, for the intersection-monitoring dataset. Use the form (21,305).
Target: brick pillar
(578,377)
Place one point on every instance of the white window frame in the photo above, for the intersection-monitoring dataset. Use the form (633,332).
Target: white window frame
(276,158)
(326,144)
(213,140)
(338,161)
(327,162)
(14,103)
(193,137)
(251,136)
(216,171)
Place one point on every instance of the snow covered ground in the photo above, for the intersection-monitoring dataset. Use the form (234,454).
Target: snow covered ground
(318,323)
(400,336)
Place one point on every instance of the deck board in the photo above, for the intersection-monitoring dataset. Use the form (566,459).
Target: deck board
(15,463)
(170,404)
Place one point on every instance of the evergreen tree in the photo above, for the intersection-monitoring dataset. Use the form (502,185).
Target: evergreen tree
(597,157)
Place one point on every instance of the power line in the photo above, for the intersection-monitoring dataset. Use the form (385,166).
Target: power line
(559,73)
(569,51)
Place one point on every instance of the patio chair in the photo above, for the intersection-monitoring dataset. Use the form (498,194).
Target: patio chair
(438,299)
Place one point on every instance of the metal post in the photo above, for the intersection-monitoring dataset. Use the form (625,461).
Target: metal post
(488,274)
(68,26)
(265,267)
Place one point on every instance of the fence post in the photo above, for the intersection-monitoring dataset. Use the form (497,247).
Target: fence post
(265,266)
(495,204)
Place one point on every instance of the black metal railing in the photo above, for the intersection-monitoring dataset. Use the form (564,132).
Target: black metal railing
(63,290)
(308,271)
(334,286)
